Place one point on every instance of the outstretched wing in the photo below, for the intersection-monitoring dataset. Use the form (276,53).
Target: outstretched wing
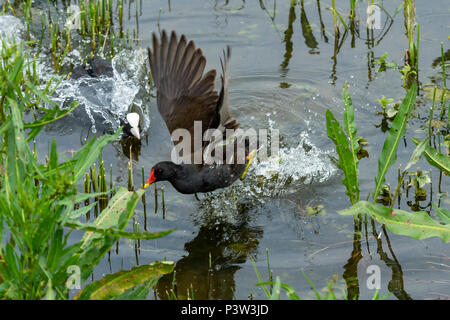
(184,93)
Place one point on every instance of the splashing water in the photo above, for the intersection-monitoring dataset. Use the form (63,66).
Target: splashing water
(11,28)
(285,173)
(104,99)
(110,98)
(304,164)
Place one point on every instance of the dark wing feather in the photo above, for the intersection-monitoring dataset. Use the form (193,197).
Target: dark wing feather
(184,94)
(223,105)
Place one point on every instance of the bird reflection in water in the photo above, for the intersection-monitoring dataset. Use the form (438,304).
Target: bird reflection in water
(214,256)
(131,146)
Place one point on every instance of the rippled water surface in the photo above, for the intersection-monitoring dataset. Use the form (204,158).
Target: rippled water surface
(286,70)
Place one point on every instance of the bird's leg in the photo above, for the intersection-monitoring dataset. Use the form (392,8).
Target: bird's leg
(196,196)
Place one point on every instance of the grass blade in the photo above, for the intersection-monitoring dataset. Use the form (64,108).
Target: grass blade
(90,152)
(348,120)
(388,154)
(436,159)
(345,162)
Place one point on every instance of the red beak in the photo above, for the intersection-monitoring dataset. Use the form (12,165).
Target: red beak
(151,179)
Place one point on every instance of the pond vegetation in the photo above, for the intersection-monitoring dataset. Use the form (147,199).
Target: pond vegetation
(43,203)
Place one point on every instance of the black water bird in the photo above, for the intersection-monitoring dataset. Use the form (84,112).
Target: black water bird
(185,95)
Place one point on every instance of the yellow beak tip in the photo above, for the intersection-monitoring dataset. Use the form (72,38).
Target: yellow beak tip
(146,185)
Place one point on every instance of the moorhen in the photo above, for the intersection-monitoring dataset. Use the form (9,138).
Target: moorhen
(185,95)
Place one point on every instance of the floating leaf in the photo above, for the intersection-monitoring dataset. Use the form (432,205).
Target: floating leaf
(439,93)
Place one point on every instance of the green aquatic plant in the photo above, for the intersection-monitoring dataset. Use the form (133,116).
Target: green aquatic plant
(347,146)
(411,57)
(385,64)
(336,16)
(389,113)
(417,225)
(388,154)
(92,27)
(434,157)
(277,286)
(40,204)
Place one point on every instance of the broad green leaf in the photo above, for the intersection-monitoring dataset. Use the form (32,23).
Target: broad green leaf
(418,225)
(103,233)
(442,213)
(436,159)
(16,148)
(94,245)
(388,154)
(116,233)
(79,212)
(113,285)
(117,213)
(17,126)
(14,77)
(345,161)
(76,198)
(350,127)
(417,154)
(139,292)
